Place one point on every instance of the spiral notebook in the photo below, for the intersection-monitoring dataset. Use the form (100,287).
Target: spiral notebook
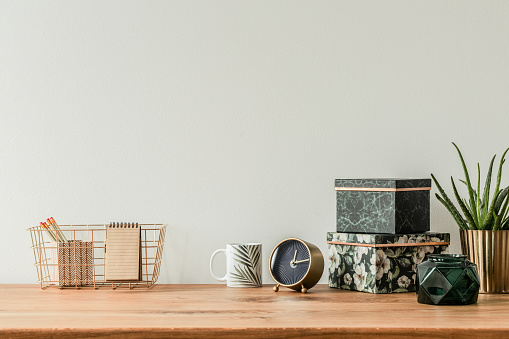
(123,252)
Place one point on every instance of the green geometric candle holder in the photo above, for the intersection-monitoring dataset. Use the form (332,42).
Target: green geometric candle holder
(447,279)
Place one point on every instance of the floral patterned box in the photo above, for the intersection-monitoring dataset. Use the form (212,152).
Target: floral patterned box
(380,263)
(395,206)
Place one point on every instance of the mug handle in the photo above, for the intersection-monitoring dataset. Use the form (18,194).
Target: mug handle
(211,271)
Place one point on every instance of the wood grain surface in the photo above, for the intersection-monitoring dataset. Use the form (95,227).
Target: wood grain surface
(216,311)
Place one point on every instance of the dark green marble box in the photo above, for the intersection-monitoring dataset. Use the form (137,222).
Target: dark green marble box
(396,206)
(380,263)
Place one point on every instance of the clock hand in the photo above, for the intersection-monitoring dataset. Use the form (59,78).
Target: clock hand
(295,256)
(296,262)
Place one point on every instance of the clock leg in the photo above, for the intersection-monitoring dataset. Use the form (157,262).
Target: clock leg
(276,288)
(303,290)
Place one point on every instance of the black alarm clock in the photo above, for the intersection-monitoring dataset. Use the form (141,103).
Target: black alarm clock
(296,264)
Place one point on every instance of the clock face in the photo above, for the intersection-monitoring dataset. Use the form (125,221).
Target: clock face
(290,262)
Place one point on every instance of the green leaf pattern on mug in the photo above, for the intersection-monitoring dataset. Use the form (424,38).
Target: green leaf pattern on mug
(247,270)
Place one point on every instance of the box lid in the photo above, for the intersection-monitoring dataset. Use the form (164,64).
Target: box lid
(428,238)
(387,183)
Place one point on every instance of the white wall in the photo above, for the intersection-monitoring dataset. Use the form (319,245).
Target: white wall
(230,120)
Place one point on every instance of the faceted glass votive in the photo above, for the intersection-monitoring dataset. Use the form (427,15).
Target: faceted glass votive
(447,279)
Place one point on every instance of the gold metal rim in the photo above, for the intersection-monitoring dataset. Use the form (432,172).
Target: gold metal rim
(88,225)
(309,267)
(407,244)
(390,189)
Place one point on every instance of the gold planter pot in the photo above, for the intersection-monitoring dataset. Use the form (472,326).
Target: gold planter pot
(489,250)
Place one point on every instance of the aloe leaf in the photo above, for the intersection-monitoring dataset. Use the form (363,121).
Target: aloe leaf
(468,206)
(499,175)
(500,200)
(466,212)
(489,220)
(500,217)
(465,183)
(441,190)
(478,208)
(505,224)
(449,205)
(454,213)
(504,213)
(490,216)
(472,208)
(468,183)
(504,210)
(497,225)
(487,186)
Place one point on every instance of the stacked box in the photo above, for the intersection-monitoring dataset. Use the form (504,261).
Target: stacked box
(381,234)
(394,206)
(380,263)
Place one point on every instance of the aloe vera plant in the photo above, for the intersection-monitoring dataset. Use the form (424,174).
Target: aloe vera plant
(479,211)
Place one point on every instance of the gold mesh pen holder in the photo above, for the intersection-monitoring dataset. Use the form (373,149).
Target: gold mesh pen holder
(80,261)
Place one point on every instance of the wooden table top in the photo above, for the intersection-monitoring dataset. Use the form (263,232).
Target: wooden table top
(216,311)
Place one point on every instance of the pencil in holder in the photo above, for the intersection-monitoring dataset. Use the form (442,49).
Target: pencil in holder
(71,263)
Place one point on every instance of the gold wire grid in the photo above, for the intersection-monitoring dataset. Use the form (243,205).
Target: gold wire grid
(89,241)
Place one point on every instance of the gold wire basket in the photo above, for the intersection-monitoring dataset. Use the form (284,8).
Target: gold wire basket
(80,262)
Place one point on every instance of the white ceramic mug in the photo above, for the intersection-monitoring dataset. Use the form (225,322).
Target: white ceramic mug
(243,265)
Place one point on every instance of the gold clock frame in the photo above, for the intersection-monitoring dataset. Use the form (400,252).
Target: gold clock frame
(314,272)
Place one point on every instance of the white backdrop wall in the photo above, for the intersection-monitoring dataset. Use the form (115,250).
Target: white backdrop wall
(230,120)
